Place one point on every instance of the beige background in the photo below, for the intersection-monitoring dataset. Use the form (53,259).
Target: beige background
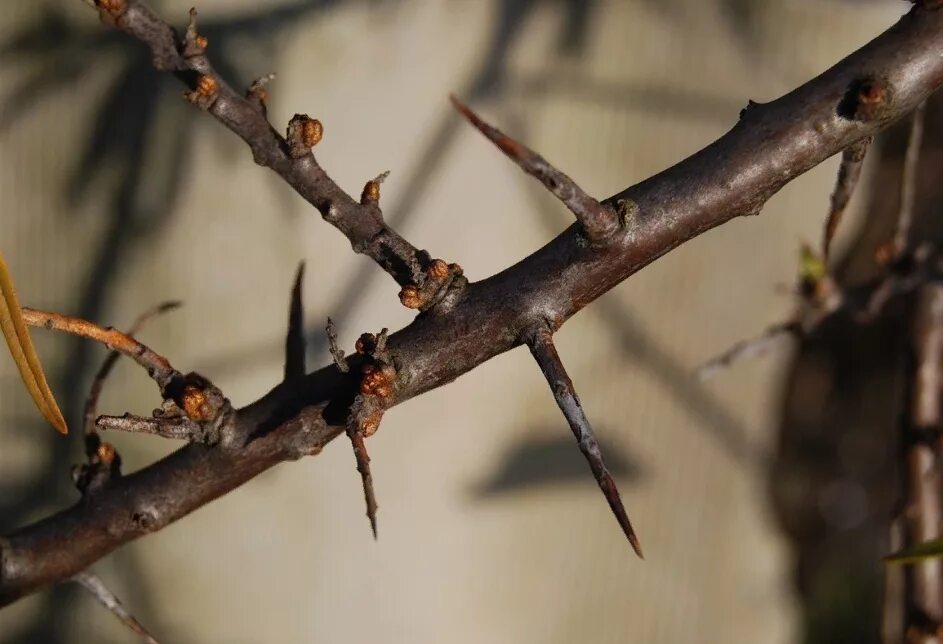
(474,545)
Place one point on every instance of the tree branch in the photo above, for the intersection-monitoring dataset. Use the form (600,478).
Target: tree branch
(771,145)
(290,157)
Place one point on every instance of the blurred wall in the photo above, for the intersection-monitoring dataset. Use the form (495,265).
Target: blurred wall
(115,194)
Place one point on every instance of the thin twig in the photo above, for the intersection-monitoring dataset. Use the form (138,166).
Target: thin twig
(597,219)
(336,352)
(290,157)
(295,338)
(91,403)
(355,432)
(178,427)
(908,182)
(544,352)
(157,366)
(849,171)
(748,349)
(94,585)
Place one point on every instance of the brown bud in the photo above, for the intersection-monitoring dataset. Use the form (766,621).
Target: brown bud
(365,343)
(371,193)
(114,8)
(207,89)
(311,132)
(438,269)
(206,85)
(371,190)
(106,453)
(375,382)
(304,133)
(410,298)
(196,404)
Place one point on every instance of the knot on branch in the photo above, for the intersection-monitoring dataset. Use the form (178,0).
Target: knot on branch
(103,465)
(195,399)
(867,99)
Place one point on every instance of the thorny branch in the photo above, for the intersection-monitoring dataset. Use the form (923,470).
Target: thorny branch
(461,324)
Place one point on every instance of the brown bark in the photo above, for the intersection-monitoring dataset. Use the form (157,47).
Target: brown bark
(771,144)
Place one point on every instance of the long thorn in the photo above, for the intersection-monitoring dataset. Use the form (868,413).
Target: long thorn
(94,585)
(598,220)
(545,353)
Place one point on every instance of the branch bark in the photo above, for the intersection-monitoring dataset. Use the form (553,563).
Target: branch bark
(771,144)
(923,478)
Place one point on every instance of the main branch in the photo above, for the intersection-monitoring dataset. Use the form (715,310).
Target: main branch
(771,144)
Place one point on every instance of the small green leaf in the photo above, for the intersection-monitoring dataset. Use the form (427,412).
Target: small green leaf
(811,266)
(920,552)
(24,355)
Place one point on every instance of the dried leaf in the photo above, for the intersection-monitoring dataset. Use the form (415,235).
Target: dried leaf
(920,552)
(24,355)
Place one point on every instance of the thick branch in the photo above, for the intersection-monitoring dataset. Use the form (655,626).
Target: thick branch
(771,145)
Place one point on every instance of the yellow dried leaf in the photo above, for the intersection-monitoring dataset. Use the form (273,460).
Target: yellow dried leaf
(24,355)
